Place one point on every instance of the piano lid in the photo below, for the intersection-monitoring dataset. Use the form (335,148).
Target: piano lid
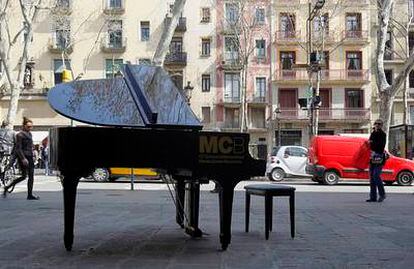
(144,97)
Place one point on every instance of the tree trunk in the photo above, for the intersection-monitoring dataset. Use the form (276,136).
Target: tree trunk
(167,33)
(244,126)
(385,108)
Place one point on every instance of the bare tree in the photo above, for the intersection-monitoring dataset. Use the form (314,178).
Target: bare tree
(168,32)
(242,30)
(387,92)
(8,45)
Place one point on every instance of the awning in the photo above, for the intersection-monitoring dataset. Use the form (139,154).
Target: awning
(38,136)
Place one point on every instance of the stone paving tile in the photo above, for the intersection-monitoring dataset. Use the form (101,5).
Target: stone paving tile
(123,229)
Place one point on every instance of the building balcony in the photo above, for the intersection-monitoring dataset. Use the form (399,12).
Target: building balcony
(62,7)
(229,102)
(328,37)
(113,46)
(352,37)
(257,101)
(287,37)
(59,45)
(392,58)
(229,27)
(354,115)
(356,2)
(176,58)
(331,76)
(181,26)
(287,3)
(114,7)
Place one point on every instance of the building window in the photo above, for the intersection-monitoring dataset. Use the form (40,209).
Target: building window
(411,114)
(354,60)
(287,59)
(231,50)
(354,98)
(321,27)
(205,110)
(28,76)
(411,41)
(353,25)
(205,83)
(260,89)
(261,48)
(287,25)
(58,69)
(411,79)
(205,14)
(260,15)
(232,118)
(232,87)
(389,75)
(115,33)
(205,46)
(144,61)
(232,13)
(113,67)
(145,31)
(115,3)
(388,54)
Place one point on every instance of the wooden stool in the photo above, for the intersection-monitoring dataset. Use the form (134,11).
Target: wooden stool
(268,191)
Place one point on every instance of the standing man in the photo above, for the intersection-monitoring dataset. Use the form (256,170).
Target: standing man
(24,151)
(377,141)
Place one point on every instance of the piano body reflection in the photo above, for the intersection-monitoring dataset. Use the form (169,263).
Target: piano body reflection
(146,123)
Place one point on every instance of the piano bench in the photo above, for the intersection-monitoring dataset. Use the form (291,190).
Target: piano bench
(269,191)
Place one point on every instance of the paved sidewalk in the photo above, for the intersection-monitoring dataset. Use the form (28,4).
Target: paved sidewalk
(118,228)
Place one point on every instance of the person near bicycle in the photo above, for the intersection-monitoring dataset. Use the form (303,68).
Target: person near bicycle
(24,151)
(7,143)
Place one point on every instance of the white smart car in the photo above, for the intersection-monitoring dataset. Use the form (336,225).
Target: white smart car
(287,161)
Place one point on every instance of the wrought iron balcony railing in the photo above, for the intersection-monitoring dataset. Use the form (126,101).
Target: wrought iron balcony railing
(327,114)
(181,26)
(176,58)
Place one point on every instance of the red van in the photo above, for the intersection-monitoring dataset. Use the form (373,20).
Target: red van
(332,158)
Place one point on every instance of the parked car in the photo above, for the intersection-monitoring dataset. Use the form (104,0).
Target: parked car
(333,158)
(113,173)
(286,161)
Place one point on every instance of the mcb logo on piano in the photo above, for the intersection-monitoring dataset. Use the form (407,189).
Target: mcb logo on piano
(221,149)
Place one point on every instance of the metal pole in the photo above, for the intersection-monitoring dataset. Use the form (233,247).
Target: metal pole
(309,35)
(278,132)
(132,179)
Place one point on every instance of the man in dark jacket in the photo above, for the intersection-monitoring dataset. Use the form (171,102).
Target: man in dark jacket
(377,141)
(24,151)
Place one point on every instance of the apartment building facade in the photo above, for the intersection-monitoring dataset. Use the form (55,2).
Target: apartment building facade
(341,35)
(236,84)
(92,38)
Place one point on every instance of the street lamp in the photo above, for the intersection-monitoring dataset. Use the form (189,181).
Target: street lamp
(277,112)
(187,92)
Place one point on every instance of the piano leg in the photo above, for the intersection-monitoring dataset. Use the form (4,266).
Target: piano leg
(179,201)
(226,194)
(192,190)
(70,183)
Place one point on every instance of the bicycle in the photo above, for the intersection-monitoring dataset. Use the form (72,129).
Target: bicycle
(8,172)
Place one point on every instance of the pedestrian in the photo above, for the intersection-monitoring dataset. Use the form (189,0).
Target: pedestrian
(45,158)
(377,141)
(7,143)
(24,151)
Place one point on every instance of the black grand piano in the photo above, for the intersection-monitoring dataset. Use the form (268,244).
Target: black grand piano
(145,122)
